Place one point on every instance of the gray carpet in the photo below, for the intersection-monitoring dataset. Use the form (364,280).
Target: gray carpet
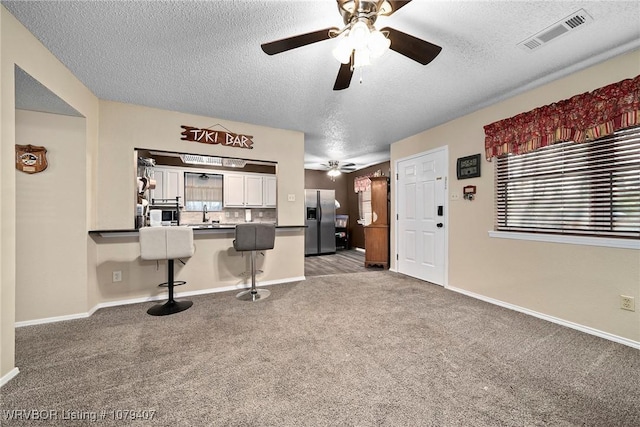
(375,349)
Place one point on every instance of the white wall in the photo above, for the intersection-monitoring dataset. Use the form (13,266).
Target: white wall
(51,278)
(579,284)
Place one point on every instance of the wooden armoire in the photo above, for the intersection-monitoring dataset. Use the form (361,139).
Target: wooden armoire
(376,234)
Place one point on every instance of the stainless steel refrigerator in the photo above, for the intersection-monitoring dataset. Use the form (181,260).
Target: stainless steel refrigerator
(320,212)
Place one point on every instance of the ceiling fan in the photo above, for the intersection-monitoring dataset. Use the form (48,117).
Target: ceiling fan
(359,39)
(335,168)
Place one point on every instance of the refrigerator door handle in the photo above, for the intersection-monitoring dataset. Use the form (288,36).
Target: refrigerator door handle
(319,209)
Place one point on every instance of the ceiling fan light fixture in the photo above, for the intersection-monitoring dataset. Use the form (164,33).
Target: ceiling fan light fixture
(361,58)
(359,35)
(342,51)
(362,40)
(334,173)
(378,44)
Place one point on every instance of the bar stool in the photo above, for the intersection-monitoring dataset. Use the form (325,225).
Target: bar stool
(167,243)
(254,237)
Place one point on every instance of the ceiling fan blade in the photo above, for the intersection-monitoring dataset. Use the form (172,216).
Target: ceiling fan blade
(412,47)
(283,45)
(344,77)
(395,5)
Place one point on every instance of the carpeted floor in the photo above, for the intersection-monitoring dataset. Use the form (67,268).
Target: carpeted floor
(375,349)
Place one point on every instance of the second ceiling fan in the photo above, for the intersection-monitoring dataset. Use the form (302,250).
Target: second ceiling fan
(360,40)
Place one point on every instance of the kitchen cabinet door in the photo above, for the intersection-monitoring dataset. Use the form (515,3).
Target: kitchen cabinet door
(253,191)
(233,190)
(270,195)
(169,184)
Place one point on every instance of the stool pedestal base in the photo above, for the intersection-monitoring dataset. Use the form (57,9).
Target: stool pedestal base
(253,295)
(169,307)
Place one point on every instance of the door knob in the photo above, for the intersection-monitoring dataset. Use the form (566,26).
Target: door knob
(439,225)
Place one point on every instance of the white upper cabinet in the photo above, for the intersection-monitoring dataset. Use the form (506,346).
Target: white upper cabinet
(233,190)
(249,190)
(270,196)
(169,184)
(253,191)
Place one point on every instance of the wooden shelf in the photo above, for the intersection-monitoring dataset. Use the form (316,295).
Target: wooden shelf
(376,235)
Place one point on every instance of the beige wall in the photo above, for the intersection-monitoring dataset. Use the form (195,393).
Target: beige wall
(579,284)
(81,279)
(124,127)
(51,234)
(18,46)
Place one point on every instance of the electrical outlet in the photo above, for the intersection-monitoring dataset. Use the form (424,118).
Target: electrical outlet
(291,197)
(117,276)
(236,214)
(455,196)
(260,214)
(226,214)
(627,303)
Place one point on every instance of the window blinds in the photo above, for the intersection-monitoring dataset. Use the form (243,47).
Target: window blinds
(589,188)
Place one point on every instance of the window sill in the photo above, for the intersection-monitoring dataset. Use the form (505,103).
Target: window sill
(572,240)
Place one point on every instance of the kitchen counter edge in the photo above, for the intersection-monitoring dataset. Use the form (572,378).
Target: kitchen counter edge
(196,230)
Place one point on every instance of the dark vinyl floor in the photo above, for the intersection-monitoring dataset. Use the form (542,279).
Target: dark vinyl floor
(343,261)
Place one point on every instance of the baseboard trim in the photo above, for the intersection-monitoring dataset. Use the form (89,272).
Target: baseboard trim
(54,319)
(153,298)
(552,319)
(9,376)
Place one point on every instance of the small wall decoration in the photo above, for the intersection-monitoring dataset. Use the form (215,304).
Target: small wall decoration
(31,158)
(468,167)
(211,136)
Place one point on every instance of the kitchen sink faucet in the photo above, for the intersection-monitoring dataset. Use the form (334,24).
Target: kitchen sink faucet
(204,213)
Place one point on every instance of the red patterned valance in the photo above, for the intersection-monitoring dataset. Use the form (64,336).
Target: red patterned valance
(583,117)
(362,183)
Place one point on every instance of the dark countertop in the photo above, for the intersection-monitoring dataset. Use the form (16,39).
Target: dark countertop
(197,229)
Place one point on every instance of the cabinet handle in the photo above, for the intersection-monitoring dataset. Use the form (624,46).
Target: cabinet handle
(439,225)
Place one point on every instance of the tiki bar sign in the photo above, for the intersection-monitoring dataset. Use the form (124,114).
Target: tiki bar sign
(210,136)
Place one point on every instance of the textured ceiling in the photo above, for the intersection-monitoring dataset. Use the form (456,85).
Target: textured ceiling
(204,57)
(34,96)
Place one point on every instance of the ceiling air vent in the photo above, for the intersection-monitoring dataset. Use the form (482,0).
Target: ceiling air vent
(572,22)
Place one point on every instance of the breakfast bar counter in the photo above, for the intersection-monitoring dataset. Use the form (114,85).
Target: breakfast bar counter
(200,229)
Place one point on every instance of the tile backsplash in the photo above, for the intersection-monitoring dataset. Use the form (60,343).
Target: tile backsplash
(234,216)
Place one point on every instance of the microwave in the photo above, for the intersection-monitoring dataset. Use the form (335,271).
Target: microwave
(170,217)
(158,217)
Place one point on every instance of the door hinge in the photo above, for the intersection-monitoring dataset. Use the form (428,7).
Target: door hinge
(397,257)
(397,176)
(397,217)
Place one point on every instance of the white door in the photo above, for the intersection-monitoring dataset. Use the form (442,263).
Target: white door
(421,225)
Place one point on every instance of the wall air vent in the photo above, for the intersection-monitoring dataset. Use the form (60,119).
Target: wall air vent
(571,23)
